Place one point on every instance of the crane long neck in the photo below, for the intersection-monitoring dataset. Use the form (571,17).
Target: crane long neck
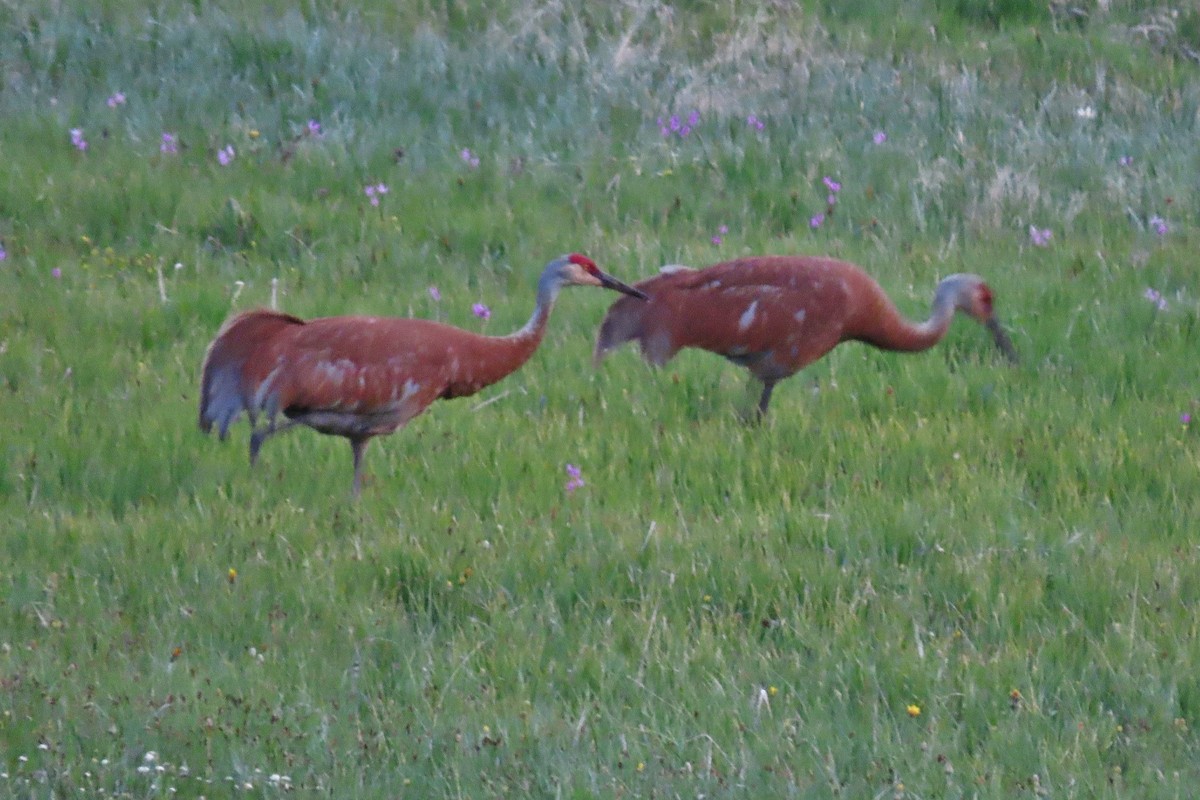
(506,354)
(547,293)
(891,331)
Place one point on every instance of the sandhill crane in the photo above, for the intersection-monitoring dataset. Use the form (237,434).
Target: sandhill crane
(361,377)
(774,315)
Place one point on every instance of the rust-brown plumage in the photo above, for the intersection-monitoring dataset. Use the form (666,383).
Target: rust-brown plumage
(361,377)
(774,315)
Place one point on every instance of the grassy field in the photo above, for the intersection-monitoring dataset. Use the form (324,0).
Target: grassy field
(931,576)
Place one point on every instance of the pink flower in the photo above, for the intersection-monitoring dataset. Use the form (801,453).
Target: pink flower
(1155,297)
(574,478)
(375,191)
(225,155)
(481,311)
(879,138)
(77,139)
(1040,237)
(674,125)
(1185,418)
(116,99)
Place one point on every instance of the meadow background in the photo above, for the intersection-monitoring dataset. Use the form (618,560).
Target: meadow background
(925,576)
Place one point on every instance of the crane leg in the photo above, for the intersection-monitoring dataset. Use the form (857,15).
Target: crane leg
(359,446)
(764,401)
(257,437)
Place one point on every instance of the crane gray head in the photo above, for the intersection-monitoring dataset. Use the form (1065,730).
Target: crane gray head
(973,297)
(575,269)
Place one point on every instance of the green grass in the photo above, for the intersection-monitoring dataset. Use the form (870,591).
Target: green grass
(722,610)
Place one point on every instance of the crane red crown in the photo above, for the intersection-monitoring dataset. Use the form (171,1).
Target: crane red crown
(585,262)
(985,296)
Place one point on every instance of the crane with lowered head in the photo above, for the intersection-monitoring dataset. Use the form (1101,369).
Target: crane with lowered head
(774,315)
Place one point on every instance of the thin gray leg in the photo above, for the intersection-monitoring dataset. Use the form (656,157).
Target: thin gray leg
(257,437)
(764,401)
(359,446)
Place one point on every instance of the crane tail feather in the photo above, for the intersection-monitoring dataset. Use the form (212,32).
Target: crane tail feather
(231,382)
(624,322)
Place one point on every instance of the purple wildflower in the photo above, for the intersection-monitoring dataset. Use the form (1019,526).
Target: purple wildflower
(574,478)
(1125,161)
(435,294)
(831,185)
(481,311)
(56,273)
(816,221)
(313,128)
(169,145)
(116,99)
(1159,225)
(225,155)
(754,122)
(879,138)
(469,158)
(3,252)
(674,125)
(77,139)
(1185,418)
(375,191)
(1040,237)
(1155,297)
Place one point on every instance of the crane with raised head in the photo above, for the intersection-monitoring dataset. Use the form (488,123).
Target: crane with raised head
(360,377)
(775,315)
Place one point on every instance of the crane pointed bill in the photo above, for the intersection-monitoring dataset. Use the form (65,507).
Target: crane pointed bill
(609,282)
(1002,341)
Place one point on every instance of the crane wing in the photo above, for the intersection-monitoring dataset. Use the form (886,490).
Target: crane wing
(380,371)
(772,314)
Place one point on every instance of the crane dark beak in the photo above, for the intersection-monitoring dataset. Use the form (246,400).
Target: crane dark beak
(1002,341)
(609,282)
